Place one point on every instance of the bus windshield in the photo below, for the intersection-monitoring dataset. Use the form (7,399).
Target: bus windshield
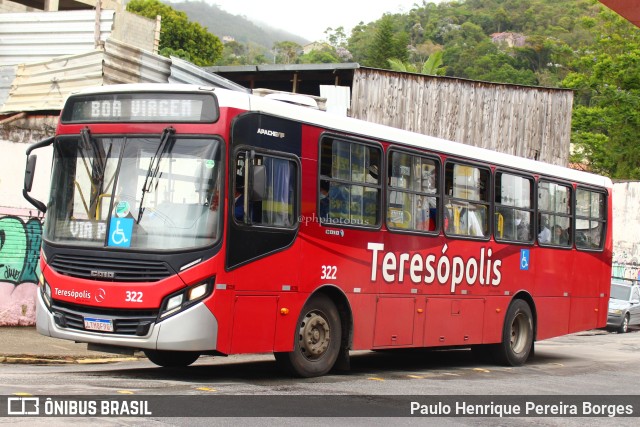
(156,192)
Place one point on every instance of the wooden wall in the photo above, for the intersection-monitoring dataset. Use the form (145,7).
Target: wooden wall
(525,121)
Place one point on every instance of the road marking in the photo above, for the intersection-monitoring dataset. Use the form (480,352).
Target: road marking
(375,379)
(417,377)
(22,394)
(125,392)
(206,389)
(481,370)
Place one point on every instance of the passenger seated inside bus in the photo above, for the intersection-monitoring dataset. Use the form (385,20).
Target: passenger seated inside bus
(465,220)
(544,234)
(560,236)
(523,230)
(334,201)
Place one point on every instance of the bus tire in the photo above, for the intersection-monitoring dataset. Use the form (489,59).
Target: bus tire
(517,335)
(172,359)
(316,341)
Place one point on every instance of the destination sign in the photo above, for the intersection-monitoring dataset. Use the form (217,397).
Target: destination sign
(141,107)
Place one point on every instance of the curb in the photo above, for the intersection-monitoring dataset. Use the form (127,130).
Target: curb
(62,360)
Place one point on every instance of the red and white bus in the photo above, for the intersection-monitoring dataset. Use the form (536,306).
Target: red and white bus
(185,220)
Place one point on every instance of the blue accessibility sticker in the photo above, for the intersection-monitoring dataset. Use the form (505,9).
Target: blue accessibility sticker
(524,259)
(120,230)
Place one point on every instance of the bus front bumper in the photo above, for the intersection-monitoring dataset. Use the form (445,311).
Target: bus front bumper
(194,329)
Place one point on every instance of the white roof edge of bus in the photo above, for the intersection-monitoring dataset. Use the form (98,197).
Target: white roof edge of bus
(369,130)
(386,133)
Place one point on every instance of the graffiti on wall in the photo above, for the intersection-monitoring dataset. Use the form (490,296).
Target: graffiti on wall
(20,239)
(625,264)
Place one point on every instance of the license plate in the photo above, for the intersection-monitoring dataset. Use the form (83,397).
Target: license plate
(94,324)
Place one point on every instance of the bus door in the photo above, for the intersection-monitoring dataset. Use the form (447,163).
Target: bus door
(264,199)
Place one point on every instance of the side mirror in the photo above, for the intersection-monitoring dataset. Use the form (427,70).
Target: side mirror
(259,185)
(29,172)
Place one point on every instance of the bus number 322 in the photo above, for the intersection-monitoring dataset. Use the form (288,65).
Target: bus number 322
(133,296)
(329,272)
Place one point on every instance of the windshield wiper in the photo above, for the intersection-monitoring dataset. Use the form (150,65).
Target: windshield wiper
(95,169)
(167,139)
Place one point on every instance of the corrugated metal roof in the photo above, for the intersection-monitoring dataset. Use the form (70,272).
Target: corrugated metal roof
(124,63)
(283,67)
(7,75)
(45,85)
(41,36)
(185,72)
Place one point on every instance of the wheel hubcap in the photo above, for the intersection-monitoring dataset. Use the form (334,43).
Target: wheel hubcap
(315,336)
(519,333)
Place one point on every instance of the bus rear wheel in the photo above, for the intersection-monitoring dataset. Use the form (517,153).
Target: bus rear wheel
(172,359)
(517,335)
(317,340)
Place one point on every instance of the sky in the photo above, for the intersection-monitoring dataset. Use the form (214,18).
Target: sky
(309,19)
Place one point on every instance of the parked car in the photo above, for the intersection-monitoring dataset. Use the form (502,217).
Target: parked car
(624,304)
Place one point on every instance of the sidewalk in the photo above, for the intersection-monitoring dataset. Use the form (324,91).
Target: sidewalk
(23,344)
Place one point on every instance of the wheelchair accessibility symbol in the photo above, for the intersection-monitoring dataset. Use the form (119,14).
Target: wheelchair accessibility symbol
(120,230)
(524,259)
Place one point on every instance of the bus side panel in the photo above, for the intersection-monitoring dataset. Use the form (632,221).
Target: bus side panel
(553,316)
(394,322)
(254,324)
(290,305)
(363,310)
(221,305)
(584,314)
(454,321)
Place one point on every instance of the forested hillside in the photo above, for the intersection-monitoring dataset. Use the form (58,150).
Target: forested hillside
(253,41)
(575,44)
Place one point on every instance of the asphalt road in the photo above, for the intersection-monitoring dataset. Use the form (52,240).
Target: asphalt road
(589,363)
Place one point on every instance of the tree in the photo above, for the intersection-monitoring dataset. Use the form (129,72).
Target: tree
(387,44)
(606,81)
(234,53)
(359,41)
(336,38)
(432,66)
(287,52)
(179,36)
(319,56)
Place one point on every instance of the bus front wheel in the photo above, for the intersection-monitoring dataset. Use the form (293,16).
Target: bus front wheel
(317,340)
(517,335)
(171,359)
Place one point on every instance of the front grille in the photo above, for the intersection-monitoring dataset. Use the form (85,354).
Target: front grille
(125,322)
(110,269)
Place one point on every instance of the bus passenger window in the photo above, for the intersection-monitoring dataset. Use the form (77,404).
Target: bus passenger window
(278,206)
(412,192)
(554,207)
(467,202)
(590,219)
(350,187)
(513,208)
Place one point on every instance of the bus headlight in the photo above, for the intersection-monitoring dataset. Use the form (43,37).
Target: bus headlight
(46,293)
(174,302)
(197,292)
(186,297)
